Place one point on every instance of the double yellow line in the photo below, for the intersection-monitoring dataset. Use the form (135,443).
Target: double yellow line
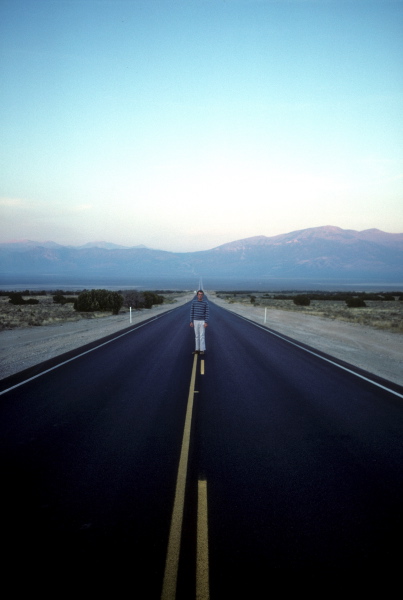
(173,552)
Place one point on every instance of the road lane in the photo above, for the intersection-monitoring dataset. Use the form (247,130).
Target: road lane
(302,459)
(89,457)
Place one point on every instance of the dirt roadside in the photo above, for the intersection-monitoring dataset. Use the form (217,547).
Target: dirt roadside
(376,351)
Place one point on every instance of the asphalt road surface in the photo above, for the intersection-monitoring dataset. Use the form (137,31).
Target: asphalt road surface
(199,476)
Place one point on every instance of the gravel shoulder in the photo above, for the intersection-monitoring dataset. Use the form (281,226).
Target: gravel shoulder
(376,351)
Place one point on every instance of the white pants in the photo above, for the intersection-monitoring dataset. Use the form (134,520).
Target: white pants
(198,326)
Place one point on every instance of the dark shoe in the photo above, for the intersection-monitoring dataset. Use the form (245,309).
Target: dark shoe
(202,352)
(195,352)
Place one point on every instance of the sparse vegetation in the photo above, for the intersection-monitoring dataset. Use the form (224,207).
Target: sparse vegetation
(57,306)
(382,310)
(44,312)
(18,300)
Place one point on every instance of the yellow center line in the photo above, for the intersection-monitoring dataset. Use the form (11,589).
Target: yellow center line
(172,559)
(202,561)
(202,367)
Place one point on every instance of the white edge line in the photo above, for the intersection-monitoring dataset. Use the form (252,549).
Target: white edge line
(79,355)
(321,357)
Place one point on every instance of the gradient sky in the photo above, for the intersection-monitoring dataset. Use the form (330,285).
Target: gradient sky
(183,125)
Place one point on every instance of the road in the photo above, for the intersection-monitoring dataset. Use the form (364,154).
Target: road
(209,473)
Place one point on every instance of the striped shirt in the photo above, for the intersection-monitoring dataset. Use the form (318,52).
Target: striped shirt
(199,310)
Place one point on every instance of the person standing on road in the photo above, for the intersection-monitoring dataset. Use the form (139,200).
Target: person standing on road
(199,315)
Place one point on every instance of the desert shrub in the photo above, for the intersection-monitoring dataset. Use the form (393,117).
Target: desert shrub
(150,298)
(60,299)
(354,302)
(133,299)
(252,299)
(302,300)
(17,299)
(139,300)
(99,300)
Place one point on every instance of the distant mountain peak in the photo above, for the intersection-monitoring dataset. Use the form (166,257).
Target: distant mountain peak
(102,244)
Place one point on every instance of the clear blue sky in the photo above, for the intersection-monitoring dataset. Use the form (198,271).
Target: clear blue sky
(183,125)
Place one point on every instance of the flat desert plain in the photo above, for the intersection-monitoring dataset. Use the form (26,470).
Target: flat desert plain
(376,349)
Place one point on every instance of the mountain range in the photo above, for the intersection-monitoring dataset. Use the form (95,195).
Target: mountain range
(316,254)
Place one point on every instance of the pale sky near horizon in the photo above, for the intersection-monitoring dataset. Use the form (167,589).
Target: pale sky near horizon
(183,125)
